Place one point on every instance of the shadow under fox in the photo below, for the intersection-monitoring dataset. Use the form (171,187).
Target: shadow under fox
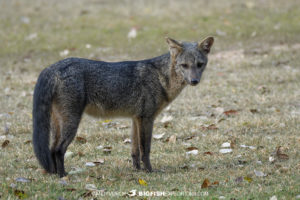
(135,89)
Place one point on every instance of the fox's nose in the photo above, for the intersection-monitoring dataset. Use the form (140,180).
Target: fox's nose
(194,81)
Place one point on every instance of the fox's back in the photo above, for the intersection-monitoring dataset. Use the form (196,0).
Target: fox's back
(108,88)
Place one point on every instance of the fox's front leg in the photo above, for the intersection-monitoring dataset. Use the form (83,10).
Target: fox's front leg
(135,151)
(145,126)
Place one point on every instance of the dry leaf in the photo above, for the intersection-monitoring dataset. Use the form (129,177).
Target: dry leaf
(64,53)
(127,141)
(247,178)
(27,142)
(166,120)
(205,183)
(280,154)
(172,139)
(81,140)
(192,152)
(105,122)
(142,182)
(233,142)
(259,173)
(219,110)
(98,162)
(184,167)
(239,179)
(253,111)
(245,146)
(87,194)
(76,171)
(209,127)
(230,112)
(107,149)
(191,148)
(273,198)
(208,153)
(68,154)
(132,33)
(20,194)
(189,137)
(90,187)
(263,89)
(80,154)
(283,156)
(70,189)
(64,180)
(225,145)
(22,180)
(121,126)
(88,46)
(215,183)
(5,143)
(271,159)
(90,164)
(158,136)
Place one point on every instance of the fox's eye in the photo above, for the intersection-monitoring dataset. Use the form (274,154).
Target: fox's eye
(184,66)
(199,64)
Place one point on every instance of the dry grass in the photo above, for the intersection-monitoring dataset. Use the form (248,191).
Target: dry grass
(254,66)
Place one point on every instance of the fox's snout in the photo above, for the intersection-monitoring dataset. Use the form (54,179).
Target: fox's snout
(194,82)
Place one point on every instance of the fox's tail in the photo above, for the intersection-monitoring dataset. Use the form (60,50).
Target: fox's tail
(41,114)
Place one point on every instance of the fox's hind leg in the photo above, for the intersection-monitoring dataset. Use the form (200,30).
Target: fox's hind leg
(55,134)
(68,132)
(64,124)
(135,151)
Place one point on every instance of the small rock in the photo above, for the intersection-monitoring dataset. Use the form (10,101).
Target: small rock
(225,145)
(64,53)
(127,141)
(22,180)
(158,136)
(193,152)
(88,46)
(225,151)
(25,20)
(271,159)
(90,164)
(68,154)
(259,162)
(273,198)
(259,173)
(90,187)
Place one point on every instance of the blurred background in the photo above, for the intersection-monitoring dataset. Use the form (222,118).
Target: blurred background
(45,31)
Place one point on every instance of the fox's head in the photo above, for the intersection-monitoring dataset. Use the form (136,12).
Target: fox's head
(190,58)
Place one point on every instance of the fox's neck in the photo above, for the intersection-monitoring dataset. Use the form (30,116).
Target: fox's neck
(171,80)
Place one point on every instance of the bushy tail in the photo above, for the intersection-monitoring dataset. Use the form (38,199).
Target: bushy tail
(41,114)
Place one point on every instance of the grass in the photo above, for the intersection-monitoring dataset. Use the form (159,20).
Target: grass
(254,66)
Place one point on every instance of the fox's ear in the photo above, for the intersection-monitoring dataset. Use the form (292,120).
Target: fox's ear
(206,44)
(174,46)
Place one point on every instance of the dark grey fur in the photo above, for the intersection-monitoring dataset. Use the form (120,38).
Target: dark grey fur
(135,89)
